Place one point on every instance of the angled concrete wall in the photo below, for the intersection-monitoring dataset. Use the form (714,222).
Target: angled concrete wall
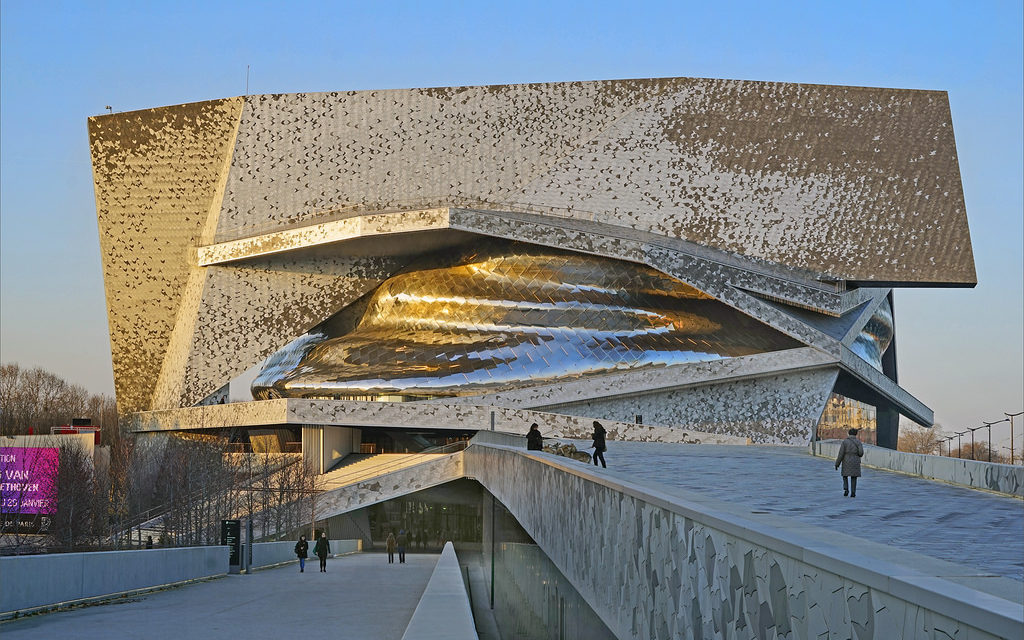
(656,566)
(1003,478)
(31,582)
(439,469)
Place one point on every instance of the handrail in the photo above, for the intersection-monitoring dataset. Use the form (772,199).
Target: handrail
(161,510)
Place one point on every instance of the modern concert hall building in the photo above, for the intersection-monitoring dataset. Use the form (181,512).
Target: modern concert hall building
(694,255)
(390,285)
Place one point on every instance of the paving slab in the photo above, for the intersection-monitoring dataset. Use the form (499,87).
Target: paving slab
(969,527)
(360,597)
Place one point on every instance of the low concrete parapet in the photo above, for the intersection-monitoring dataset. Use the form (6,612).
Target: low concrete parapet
(661,565)
(39,582)
(977,474)
(444,611)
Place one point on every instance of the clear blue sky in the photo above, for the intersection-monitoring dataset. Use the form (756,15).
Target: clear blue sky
(960,351)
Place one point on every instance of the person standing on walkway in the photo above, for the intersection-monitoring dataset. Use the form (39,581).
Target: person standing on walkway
(390,546)
(534,441)
(401,541)
(302,551)
(322,550)
(599,444)
(850,452)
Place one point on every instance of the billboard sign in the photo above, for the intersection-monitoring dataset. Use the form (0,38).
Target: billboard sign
(28,480)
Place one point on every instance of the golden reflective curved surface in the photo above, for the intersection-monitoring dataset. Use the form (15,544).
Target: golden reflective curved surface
(509,315)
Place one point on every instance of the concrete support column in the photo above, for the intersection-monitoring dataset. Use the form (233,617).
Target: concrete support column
(887,431)
(312,447)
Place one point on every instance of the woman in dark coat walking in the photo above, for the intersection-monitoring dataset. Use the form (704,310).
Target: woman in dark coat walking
(534,441)
(599,444)
(322,550)
(389,544)
(302,551)
(850,453)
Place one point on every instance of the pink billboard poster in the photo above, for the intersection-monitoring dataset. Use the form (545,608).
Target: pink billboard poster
(28,480)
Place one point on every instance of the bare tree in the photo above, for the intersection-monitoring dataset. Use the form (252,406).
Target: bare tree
(78,520)
(978,451)
(920,440)
(37,399)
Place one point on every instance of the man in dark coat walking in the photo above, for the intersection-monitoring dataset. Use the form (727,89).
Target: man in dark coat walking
(302,551)
(322,550)
(850,452)
(401,541)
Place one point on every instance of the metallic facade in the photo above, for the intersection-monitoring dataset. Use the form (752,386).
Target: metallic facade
(505,316)
(231,229)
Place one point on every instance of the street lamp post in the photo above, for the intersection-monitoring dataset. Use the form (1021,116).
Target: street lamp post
(959,447)
(974,452)
(989,425)
(1011,416)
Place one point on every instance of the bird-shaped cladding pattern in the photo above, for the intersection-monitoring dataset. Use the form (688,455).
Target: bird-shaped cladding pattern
(508,315)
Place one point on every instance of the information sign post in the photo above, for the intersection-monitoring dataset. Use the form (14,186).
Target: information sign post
(230,535)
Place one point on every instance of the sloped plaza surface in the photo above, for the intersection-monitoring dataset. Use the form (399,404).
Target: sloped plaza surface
(360,596)
(969,527)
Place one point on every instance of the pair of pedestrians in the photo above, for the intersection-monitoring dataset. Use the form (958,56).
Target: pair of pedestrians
(535,441)
(398,543)
(321,550)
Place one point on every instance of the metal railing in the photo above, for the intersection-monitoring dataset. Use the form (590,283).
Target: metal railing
(152,515)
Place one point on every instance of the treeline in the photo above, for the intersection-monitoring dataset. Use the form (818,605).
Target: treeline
(175,488)
(933,441)
(38,400)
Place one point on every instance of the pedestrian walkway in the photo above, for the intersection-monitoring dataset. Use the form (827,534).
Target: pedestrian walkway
(361,596)
(966,526)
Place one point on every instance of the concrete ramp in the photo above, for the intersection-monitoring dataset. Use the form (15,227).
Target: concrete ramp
(653,562)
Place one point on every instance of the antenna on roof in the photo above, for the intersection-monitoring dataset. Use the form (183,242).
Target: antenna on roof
(109,109)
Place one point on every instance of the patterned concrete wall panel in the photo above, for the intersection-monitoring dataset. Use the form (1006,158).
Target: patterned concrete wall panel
(444,468)
(252,309)
(158,177)
(387,414)
(302,154)
(858,183)
(634,383)
(315,235)
(655,566)
(214,416)
(816,177)
(311,414)
(779,409)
